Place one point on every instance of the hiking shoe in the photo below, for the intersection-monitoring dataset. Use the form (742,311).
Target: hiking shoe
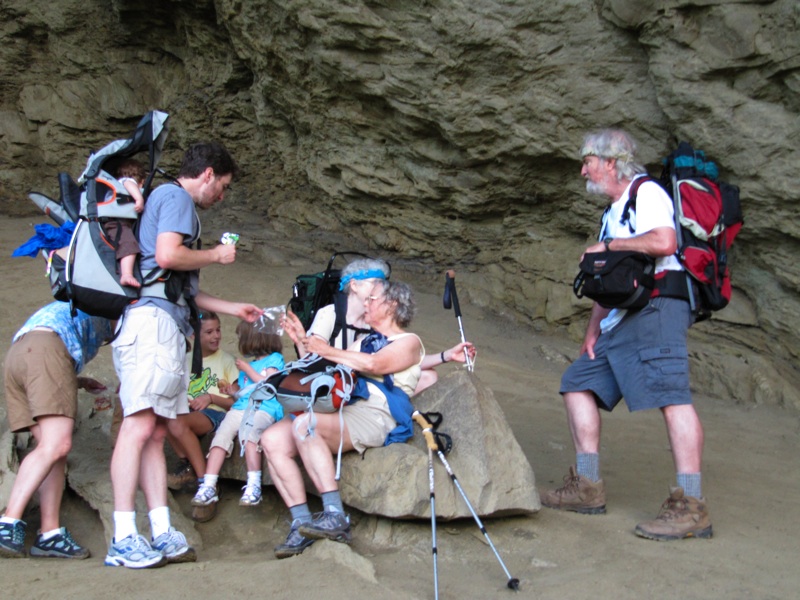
(205,496)
(12,539)
(327,525)
(135,553)
(680,517)
(251,496)
(294,544)
(60,545)
(172,544)
(183,477)
(578,494)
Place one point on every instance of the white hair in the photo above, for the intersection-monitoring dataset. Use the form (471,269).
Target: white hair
(614,144)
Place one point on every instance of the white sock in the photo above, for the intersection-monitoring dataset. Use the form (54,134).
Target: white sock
(159,521)
(210,480)
(52,533)
(8,520)
(124,524)
(254,478)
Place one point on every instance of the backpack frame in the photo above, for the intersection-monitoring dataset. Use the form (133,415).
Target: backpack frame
(88,276)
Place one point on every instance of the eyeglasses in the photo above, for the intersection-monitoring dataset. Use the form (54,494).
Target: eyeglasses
(371,299)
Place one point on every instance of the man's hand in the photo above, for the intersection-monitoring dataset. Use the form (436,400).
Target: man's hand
(247,312)
(225,253)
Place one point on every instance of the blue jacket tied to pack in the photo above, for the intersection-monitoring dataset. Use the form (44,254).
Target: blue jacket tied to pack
(399,402)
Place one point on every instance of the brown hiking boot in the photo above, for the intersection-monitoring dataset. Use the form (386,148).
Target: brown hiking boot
(578,494)
(680,517)
(183,478)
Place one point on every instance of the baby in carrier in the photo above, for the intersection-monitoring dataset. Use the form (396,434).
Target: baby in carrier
(131,174)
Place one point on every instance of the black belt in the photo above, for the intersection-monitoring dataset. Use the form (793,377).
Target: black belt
(672,284)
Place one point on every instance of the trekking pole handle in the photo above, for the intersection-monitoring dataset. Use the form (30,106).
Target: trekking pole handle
(427,430)
(450,285)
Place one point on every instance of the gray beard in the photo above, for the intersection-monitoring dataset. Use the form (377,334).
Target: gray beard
(595,188)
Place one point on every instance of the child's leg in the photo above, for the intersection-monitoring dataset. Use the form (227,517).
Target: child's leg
(252,457)
(216,456)
(126,271)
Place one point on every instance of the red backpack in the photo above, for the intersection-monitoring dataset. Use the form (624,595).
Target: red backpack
(708,216)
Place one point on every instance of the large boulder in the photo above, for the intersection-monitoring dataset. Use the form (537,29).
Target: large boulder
(488,462)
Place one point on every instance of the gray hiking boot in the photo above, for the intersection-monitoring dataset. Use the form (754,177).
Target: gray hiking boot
(294,544)
(680,517)
(328,525)
(578,494)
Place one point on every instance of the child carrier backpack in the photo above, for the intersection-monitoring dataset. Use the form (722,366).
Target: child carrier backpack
(312,292)
(708,217)
(88,276)
(310,384)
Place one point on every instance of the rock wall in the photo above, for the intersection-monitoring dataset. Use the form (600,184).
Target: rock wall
(442,132)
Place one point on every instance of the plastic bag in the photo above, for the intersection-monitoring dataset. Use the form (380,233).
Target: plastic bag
(271,320)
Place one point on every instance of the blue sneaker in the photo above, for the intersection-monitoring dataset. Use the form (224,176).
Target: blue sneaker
(60,545)
(135,553)
(294,544)
(327,525)
(12,539)
(172,544)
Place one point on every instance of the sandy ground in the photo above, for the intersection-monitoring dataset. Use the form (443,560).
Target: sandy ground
(751,478)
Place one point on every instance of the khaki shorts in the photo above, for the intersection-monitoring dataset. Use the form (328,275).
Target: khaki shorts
(369,421)
(228,431)
(150,359)
(40,380)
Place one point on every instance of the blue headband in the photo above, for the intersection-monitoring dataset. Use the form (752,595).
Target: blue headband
(359,275)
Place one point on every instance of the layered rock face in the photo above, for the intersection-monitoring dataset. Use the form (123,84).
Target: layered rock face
(442,132)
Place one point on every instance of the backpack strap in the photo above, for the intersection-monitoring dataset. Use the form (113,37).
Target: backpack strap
(340,319)
(340,324)
(630,205)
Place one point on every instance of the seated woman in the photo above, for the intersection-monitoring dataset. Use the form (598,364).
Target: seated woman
(358,277)
(208,403)
(390,353)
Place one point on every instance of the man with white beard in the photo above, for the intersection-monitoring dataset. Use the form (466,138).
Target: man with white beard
(640,356)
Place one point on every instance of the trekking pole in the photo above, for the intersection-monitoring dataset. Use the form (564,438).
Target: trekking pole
(431,443)
(513,582)
(451,295)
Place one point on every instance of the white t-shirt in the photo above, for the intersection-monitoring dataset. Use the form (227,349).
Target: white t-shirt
(324,322)
(654,209)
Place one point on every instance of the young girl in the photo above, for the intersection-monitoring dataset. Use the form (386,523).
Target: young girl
(209,403)
(266,348)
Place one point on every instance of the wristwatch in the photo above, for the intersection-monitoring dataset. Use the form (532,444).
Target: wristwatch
(607,241)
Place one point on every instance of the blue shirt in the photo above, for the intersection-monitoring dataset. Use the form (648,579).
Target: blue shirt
(273,407)
(169,208)
(82,335)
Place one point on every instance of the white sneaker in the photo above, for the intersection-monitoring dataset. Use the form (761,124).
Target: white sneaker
(251,496)
(206,495)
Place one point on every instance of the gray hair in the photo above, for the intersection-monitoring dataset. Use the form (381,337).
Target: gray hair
(364,269)
(401,297)
(616,144)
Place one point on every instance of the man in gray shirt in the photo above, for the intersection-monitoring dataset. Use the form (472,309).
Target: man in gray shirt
(150,352)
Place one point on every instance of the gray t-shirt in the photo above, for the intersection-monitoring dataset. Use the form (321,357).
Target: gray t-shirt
(169,209)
